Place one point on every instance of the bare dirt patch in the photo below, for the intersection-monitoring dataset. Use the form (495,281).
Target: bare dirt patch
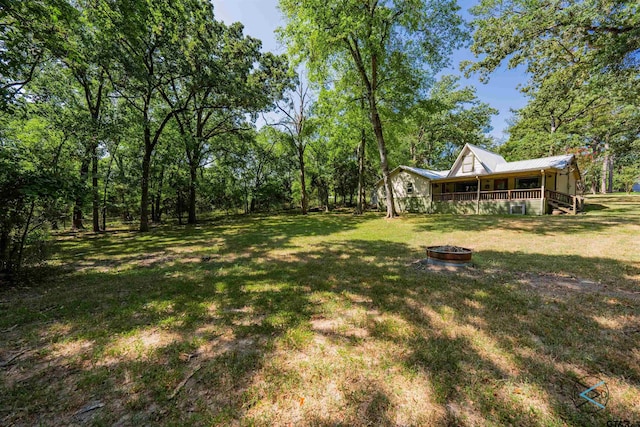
(549,284)
(561,285)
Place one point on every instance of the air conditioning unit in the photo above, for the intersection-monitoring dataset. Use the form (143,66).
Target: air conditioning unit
(517,209)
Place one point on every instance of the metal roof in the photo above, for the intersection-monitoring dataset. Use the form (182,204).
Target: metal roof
(554,162)
(496,164)
(488,159)
(426,172)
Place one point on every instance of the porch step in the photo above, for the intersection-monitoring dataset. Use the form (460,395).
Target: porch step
(561,206)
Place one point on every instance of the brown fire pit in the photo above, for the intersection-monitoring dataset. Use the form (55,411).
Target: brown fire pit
(449,255)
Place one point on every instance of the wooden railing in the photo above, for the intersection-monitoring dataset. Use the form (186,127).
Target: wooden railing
(568,203)
(455,197)
(494,195)
(574,203)
(560,197)
(532,193)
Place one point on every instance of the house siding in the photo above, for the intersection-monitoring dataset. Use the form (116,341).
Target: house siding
(478,169)
(566,181)
(418,201)
(532,207)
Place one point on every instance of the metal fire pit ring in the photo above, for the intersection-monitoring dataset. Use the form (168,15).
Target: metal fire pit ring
(453,256)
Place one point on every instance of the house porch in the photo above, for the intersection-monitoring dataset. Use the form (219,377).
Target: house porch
(532,194)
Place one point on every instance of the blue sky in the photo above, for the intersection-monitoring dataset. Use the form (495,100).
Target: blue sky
(262,17)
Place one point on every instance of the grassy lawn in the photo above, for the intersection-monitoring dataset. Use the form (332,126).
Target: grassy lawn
(326,320)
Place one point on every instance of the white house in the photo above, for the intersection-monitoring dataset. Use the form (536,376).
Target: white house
(483,182)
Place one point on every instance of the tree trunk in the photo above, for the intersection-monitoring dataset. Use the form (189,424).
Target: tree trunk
(77,209)
(553,126)
(326,199)
(149,146)
(303,185)
(23,239)
(4,249)
(361,151)
(94,187)
(610,177)
(158,198)
(179,207)
(144,200)
(604,176)
(412,153)
(246,198)
(193,177)
(153,208)
(384,165)
(105,193)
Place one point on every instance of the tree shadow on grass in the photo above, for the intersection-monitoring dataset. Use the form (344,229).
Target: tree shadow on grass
(537,225)
(594,207)
(126,348)
(610,275)
(255,235)
(492,349)
(473,330)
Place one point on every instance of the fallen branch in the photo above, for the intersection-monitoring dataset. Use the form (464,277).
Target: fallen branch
(183,382)
(10,329)
(90,407)
(11,359)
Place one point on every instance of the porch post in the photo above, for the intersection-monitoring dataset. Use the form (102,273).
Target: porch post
(543,209)
(431,201)
(478,197)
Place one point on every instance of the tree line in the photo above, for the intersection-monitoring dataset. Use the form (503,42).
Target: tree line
(582,59)
(148,109)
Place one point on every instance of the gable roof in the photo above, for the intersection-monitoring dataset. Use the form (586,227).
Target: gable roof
(487,159)
(493,164)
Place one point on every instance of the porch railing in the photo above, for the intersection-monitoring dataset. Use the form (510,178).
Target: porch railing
(560,197)
(567,202)
(532,193)
(454,197)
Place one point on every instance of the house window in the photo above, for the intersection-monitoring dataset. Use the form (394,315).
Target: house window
(500,184)
(409,187)
(466,187)
(530,182)
(467,163)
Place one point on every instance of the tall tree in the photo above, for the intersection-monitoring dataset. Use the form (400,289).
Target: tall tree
(546,36)
(86,53)
(296,115)
(390,45)
(439,126)
(346,127)
(48,34)
(582,59)
(234,79)
(152,53)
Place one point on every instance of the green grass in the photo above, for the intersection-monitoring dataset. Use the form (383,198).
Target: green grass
(324,320)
